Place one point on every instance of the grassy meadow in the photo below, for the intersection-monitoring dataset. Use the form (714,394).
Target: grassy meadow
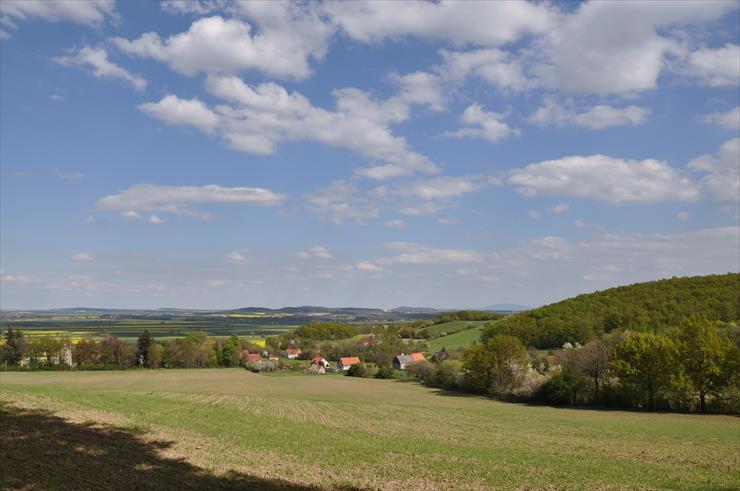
(231,429)
(461,339)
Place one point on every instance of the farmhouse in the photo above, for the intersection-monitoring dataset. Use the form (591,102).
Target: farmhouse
(368,341)
(293,353)
(417,356)
(320,361)
(346,362)
(401,361)
(252,357)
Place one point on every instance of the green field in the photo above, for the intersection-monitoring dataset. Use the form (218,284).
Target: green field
(436,329)
(229,429)
(461,339)
(97,328)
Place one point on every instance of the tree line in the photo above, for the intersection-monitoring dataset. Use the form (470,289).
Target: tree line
(692,367)
(196,350)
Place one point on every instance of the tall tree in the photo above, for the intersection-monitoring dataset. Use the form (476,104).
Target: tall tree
(648,361)
(143,345)
(14,347)
(705,356)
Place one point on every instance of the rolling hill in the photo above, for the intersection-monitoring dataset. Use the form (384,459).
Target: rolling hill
(651,306)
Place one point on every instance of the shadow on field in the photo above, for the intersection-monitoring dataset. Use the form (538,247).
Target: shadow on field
(41,451)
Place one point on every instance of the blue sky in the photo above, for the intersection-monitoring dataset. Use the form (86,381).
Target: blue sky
(217,155)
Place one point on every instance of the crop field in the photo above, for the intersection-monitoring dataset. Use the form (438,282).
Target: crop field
(461,339)
(452,326)
(231,429)
(76,329)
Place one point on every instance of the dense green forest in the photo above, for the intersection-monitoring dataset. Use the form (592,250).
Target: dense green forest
(653,307)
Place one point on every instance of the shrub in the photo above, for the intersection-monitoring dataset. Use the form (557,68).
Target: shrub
(359,370)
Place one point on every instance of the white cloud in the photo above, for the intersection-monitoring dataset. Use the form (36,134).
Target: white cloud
(267,114)
(396,224)
(69,176)
(97,60)
(175,199)
(368,267)
(316,252)
(14,278)
(175,111)
(289,34)
(83,257)
(484,124)
(716,67)
(56,97)
(197,7)
(90,12)
(447,221)
(422,254)
(596,117)
(683,215)
(342,201)
(603,178)
(722,179)
(615,47)
(559,208)
(497,67)
(236,257)
(729,120)
(481,23)
(534,215)
(155,220)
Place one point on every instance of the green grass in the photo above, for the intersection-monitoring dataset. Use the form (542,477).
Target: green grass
(228,428)
(448,327)
(461,339)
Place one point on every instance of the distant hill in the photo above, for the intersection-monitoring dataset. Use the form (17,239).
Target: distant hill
(651,306)
(416,310)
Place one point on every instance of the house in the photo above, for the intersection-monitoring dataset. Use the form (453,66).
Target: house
(417,356)
(320,361)
(315,368)
(252,357)
(368,341)
(293,353)
(401,361)
(346,362)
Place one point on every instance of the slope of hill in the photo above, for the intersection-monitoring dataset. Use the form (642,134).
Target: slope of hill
(651,306)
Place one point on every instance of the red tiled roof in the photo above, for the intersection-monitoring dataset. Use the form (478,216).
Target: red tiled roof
(368,340)
(254,357)
(350,360)
(417,356)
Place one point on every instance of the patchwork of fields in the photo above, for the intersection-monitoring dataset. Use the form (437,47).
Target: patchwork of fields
(230,429)
(96,328)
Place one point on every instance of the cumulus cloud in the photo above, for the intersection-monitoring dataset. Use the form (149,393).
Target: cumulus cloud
(368,267)
(484,23)
(83,257)
(264,115)
(553,113)
(718,67)
(729,120)
(236,257)
(616,47)
(340,202)
(722,179)
(90,13)
(483,124)
(97,60)
(67,176)
(499,68)
(176,199)
(289,34)
(603,178)
(396,224)
(559,208)
(315,252)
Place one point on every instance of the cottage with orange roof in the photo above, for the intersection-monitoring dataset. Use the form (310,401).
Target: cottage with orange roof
(346,362)
(293,353)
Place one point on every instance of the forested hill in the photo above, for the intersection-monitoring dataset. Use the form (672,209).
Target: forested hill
(651,306)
